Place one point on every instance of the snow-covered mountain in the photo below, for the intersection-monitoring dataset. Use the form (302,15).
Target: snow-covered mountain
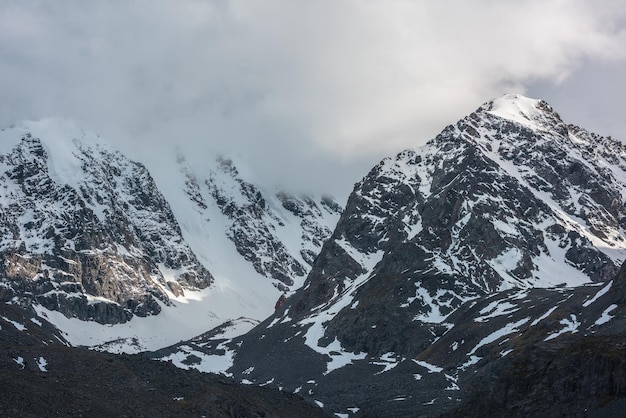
(453,241)
(481,273)
(90,238)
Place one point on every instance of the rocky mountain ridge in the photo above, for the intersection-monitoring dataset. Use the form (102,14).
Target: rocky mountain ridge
(497,227)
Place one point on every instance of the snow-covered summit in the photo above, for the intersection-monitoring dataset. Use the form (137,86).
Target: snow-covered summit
(532,113)
(62,139)
(56,131)
(515,107)
(85,231)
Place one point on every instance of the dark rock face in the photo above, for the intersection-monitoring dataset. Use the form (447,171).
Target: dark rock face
(88,243)
(500,203)
(580,376)
(251,235)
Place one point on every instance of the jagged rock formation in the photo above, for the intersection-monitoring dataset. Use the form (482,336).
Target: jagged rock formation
(85,230)
(89,233)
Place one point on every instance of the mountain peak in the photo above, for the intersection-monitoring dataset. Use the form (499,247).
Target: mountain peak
(532,113)
(63,141)
(56,131)
(514,106)
(507,200)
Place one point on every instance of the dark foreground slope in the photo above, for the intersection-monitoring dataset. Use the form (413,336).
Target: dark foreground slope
(40,376)
(578,374)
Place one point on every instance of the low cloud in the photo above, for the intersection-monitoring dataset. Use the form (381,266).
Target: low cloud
(296,87)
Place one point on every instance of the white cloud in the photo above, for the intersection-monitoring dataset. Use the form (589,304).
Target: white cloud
(316,81)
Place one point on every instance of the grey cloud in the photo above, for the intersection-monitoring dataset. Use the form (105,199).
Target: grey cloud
(309,92)
(594,98)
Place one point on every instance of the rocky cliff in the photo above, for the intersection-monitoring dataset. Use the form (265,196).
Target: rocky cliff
(85,231)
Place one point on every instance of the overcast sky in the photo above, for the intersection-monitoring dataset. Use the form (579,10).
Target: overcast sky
(310,92)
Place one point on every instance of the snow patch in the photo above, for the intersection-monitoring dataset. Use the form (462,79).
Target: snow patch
(188,358)
(387,360)
(505,353)
(494,309)
(473,359)
(599,294)
(42,363)
(544,316)
(430,367)
(571,325)
(20,361)
(191,315)
(606,316)
(496,335)
(17,325)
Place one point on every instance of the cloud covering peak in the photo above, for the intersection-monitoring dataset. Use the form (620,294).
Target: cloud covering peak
(291,83)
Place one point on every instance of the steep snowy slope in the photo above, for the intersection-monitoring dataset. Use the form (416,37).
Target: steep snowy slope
(87,236)
(276,234)
(508,199)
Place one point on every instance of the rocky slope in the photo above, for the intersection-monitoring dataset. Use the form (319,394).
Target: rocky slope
(449,257)
(477,274)
(42,376)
